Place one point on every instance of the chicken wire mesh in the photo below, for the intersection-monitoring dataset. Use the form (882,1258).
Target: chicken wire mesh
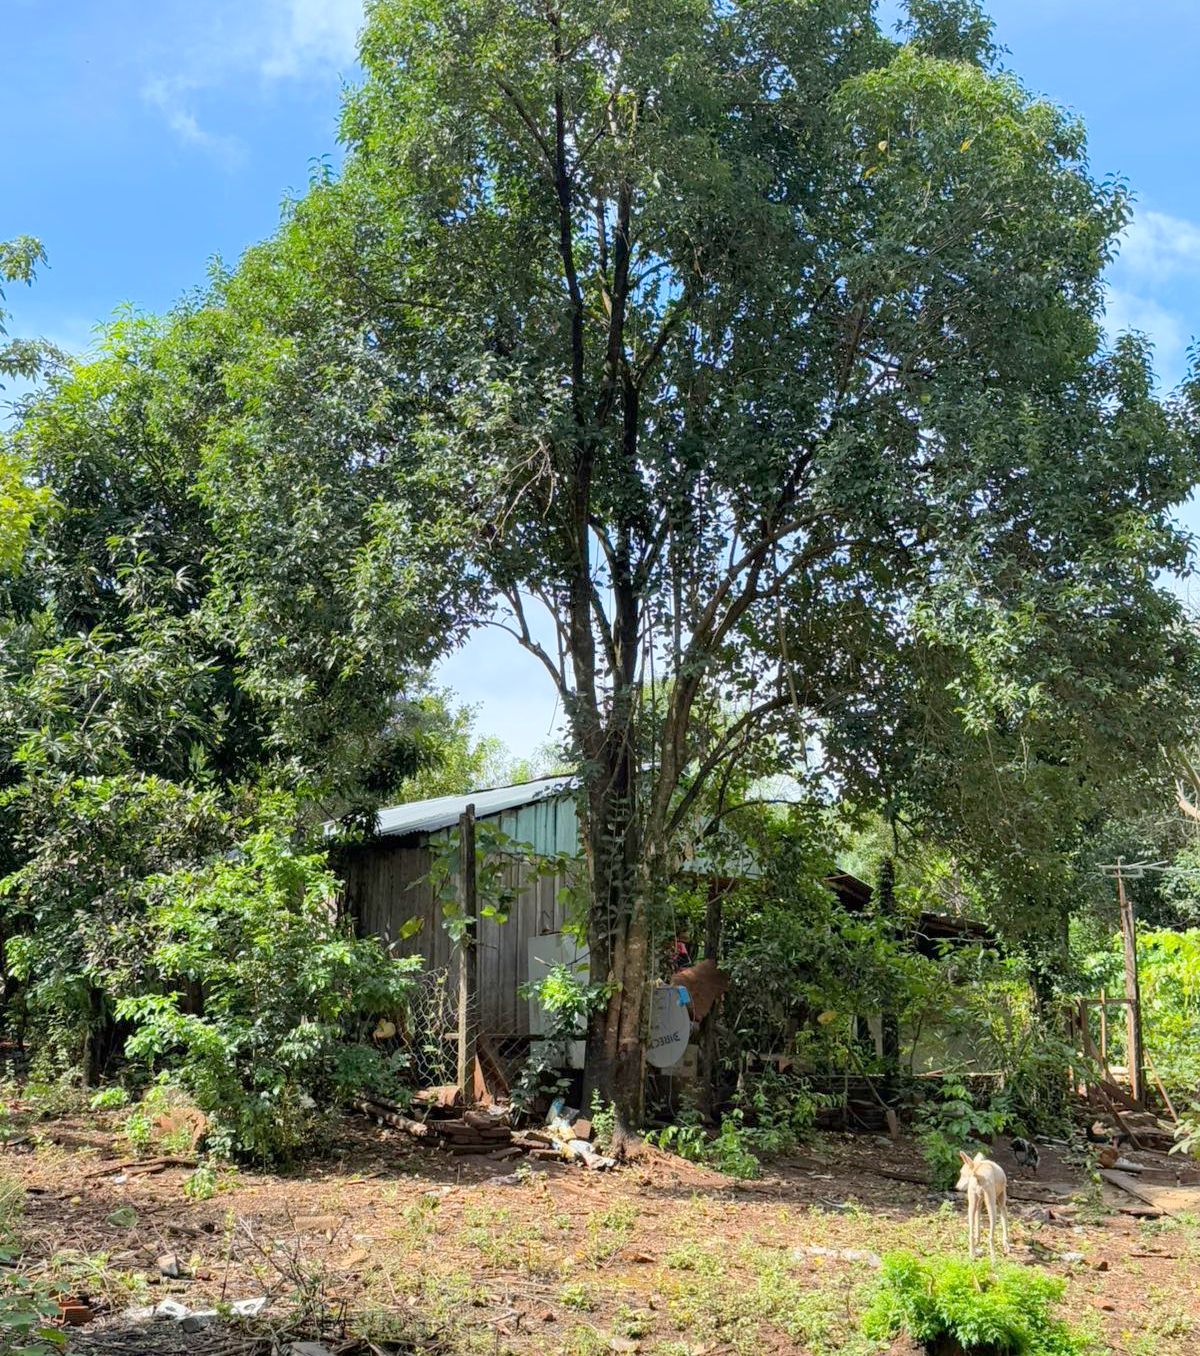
(430,1039)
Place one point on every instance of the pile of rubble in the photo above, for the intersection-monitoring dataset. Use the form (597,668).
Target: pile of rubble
(438,1118)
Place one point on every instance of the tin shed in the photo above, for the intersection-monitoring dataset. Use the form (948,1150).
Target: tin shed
(386,888)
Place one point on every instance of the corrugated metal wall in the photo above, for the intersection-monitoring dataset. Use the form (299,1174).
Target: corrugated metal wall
(385,887)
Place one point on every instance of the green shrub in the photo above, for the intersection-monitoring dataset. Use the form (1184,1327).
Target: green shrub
(26,1311)
(290,996)
(26,1308)
(109,1099)
(566,997)
(728,1150)
(939,1301)
(780,1111)
(951,1122)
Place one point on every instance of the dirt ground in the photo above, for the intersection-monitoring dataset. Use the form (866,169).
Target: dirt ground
(469,1255)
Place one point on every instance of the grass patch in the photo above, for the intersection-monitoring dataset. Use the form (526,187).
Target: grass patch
(735,1306)
(609,1230)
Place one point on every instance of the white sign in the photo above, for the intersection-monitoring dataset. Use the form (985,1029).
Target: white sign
(670,1026)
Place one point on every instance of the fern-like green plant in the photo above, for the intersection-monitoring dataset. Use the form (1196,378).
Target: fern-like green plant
(951,1305)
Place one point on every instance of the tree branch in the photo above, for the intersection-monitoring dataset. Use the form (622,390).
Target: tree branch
(719,751)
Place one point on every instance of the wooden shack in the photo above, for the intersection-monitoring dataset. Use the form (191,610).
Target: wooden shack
(388,893)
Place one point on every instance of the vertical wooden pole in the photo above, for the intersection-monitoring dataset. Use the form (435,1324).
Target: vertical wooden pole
(1103,1029)
(889,1023)
(468,1005)
(1133,1010)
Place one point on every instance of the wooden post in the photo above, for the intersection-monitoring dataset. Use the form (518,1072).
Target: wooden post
(468,1006)
(889,1023)
(1103,1029)
(1133,1011)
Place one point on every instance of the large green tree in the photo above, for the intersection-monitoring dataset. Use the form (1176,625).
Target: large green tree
(748,359)
(149,691)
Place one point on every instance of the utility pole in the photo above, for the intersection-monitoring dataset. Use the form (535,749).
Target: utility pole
(468,1007)
(1133,998)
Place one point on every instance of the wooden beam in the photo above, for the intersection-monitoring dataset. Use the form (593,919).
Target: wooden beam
(468,997)
(1134,1057)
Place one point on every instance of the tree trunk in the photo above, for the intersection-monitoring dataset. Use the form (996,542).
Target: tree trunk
(709,1052)
(620,945)
(97,1040)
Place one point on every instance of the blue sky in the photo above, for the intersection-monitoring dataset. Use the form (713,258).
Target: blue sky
(142,137)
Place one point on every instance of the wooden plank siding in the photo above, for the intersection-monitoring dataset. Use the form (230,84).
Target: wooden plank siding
(385,887)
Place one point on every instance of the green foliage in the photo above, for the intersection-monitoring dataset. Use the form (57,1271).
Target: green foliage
(109,1099)
(761,349)
(289,994)
(793,950)
(729,1150)
(766,353)
(567,998)
(503,868)
(1169,979)
(455,760)
(143,698)
(26,1311)
(951,1121)
(138,1128)
(1005,1312)
(20,501)
(26,1306)
(201,1184)
(778,1111)
(603,1122)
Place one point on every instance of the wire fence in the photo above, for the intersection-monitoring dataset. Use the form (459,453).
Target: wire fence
(431,1040)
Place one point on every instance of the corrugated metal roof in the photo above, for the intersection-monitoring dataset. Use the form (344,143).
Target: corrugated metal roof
(440,812)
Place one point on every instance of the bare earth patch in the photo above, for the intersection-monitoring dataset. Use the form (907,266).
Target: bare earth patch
(465,1255)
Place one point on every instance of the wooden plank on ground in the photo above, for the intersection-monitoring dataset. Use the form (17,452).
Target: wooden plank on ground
(1171,1200)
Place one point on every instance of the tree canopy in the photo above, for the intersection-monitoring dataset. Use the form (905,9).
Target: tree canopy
(761,353)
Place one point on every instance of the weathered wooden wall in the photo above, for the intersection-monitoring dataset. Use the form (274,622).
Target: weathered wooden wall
(384,888)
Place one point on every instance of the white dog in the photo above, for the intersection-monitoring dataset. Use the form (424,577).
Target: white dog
(984,1182)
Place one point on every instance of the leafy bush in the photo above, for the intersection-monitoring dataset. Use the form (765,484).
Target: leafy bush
(728,1150)
(951,1122)
(26,1311)
(944,1300)
(567,999)
(1169,977)
(781,1111)
(109,1099)
(288,996)
(604,1122)
(26,1308)
(1187,1133)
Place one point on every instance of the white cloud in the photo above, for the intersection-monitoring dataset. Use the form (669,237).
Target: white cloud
(311,33)
(1158,247)
(169,96)
(245,41)
(1155,286)
(1125,311)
